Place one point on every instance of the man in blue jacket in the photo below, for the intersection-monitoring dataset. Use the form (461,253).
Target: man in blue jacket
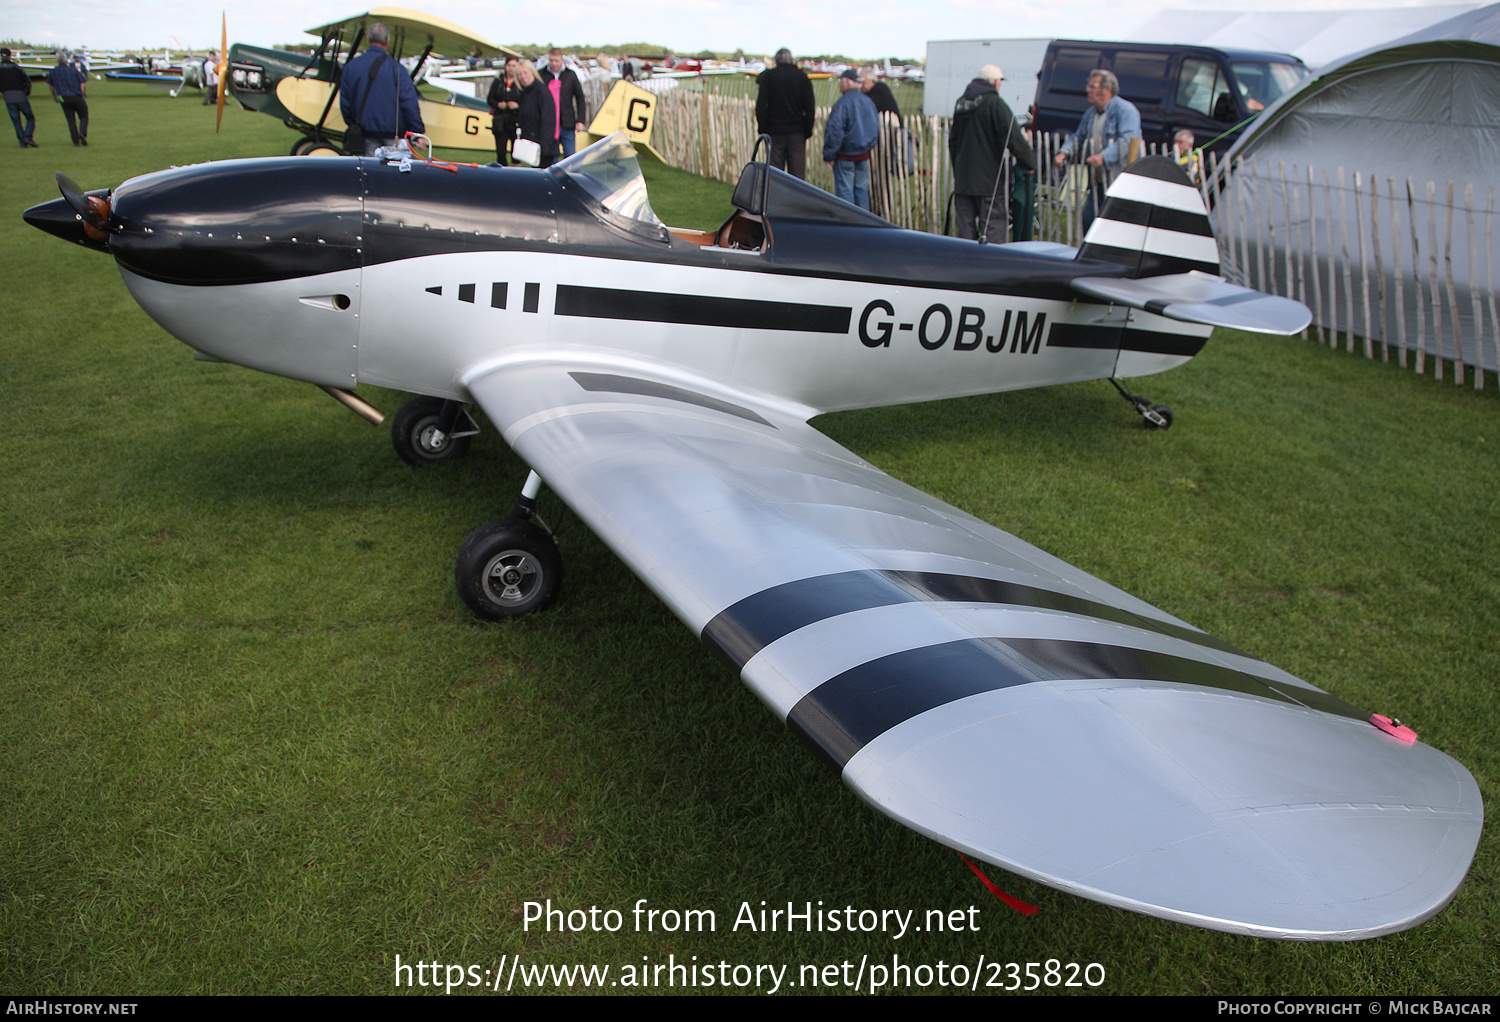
(377,94)
(68,85)
(1104,134)
(852,130)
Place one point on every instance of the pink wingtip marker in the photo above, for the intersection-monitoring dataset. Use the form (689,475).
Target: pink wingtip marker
(1392,726)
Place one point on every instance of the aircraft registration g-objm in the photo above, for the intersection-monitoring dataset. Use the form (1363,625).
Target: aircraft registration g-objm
(966,683)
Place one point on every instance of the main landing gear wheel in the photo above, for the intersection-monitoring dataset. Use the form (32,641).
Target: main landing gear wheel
(302,145)
(507,568)
(418,437)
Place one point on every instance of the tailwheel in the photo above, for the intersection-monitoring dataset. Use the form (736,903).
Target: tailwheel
(1152,416)
(507,568)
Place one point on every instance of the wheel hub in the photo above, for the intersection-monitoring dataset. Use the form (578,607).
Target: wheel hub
(512,576)
(431,439)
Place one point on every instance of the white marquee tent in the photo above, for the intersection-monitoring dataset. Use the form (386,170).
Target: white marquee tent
(1422,108)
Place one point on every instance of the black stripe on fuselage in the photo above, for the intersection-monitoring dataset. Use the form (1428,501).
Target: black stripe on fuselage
(1156,342)
(609,383)
(852,709)
(700,310)
(740,631)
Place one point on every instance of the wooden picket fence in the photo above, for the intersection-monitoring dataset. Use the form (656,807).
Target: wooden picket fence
(1372,257)
(712,135)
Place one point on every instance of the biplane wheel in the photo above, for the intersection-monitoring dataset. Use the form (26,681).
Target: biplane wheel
(323,149)
(302,145)
(507,568)
(415,436)
(1165,413)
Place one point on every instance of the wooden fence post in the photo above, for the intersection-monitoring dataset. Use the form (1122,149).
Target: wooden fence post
(1385,326)
(1458,327)
(1432,280)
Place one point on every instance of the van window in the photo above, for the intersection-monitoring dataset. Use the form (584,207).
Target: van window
(1200,85)
(1263,82)
(1142,75)
(1070,70)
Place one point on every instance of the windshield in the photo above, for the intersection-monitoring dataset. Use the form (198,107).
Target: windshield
(608,171)
(1263,82)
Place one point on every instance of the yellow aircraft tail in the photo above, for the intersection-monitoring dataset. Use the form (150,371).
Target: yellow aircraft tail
(628,108)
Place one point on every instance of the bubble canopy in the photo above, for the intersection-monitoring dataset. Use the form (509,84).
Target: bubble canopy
(609,172)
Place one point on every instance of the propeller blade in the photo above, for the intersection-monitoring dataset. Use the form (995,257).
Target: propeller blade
(223,66)
(91,209)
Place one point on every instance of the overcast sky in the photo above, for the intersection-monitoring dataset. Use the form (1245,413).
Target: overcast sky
(861,28)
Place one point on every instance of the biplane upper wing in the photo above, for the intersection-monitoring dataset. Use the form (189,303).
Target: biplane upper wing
(984,692)
(416,29)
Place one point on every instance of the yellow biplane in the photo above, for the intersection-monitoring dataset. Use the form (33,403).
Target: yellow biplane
(303,90)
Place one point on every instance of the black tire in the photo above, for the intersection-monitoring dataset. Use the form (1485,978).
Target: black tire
(507,568)
(302,145)
(1165,413)
(412,434)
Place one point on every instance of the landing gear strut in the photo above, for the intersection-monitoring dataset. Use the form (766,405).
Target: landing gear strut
(1152,416)
(510,566)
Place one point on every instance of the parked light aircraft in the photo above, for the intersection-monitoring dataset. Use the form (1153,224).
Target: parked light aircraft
(303,90)
(661,381)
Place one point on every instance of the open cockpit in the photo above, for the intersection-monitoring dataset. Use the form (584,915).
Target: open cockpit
(609,172)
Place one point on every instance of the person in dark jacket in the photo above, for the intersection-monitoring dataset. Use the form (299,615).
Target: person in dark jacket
(69,85)
(505,108)
(567,96)
(784,109)
(376,92)
(538,114)
(851,132)
(880,94)
(983,130)
(15,83)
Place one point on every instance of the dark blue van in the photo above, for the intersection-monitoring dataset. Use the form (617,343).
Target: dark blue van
(1205,90)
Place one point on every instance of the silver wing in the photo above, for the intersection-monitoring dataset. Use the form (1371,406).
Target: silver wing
(987,694)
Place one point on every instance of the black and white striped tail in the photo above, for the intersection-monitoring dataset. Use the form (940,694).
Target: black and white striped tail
(1154,223)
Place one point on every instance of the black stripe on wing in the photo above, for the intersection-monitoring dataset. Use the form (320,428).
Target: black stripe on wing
(852,709)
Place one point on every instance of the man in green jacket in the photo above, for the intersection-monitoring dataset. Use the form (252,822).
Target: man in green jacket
(983,129)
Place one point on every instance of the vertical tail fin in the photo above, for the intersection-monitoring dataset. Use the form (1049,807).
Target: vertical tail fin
(1153,223)
(628,108)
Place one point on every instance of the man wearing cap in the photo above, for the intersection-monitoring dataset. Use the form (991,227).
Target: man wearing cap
(68,85)
(983,130)
(16,85)
(784,110)
(852,130)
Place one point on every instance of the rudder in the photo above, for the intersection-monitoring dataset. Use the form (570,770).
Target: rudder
(1153,223)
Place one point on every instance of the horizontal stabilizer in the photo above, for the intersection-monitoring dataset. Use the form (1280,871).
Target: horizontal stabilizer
(1195,297)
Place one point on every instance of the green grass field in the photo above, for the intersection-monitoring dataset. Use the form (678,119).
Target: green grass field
(255,744)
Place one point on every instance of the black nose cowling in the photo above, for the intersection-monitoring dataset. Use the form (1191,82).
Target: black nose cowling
(59,218)
(239,221)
